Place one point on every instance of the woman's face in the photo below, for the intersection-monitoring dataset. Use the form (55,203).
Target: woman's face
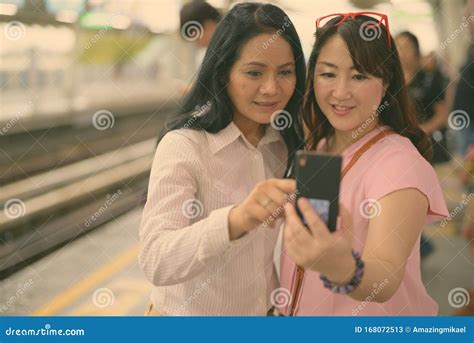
(263,78)
(347,98)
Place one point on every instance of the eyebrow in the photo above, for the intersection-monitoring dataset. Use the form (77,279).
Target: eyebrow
(332,65)
(259,64)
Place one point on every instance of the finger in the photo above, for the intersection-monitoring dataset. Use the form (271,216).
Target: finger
(291,245)
(279,197)
(285,185)
(315,224)
(259,214)
(296,229)
(346,217)
(274,210)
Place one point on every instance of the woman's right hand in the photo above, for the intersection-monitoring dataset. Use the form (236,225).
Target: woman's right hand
(263,205)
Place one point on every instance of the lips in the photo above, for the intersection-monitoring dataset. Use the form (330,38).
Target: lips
(341,110)
(266,104)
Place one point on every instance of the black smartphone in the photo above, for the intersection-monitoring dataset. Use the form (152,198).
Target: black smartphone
(318,178)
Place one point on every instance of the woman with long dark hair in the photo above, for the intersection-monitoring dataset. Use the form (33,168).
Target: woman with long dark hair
(357,106)
(208,229)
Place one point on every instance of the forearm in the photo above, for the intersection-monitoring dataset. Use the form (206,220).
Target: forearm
(438,121)
(380,281)
(172,256)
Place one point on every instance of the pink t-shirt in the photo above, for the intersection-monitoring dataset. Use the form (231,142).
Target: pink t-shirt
(393,163)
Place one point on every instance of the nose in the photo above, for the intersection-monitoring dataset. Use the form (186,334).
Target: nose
(270,86)
(341,90)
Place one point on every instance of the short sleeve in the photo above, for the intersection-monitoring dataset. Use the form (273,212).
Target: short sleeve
(401,169)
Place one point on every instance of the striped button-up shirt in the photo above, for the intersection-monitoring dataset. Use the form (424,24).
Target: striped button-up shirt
(185,250)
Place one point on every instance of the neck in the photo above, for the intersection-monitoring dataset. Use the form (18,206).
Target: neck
(341,140)
(251,130)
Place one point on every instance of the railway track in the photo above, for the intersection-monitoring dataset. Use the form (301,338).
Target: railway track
(71,180)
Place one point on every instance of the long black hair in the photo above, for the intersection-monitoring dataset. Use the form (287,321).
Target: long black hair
(207,106)
(373,57)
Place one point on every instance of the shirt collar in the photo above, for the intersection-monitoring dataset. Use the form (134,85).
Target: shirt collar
(231,133)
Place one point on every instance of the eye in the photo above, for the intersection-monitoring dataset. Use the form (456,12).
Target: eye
(286,72)
(327,75)
(360,77)
(254,73)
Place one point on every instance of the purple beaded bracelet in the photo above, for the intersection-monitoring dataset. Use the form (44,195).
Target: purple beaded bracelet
(351,285)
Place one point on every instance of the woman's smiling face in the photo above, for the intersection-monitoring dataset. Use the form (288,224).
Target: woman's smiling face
(347,97)
(263,78)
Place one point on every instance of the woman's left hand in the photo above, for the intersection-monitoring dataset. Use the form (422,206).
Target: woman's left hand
(318,249)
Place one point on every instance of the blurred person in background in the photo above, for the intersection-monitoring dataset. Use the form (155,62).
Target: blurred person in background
(464,101)
(427,91)
(198,22)
(464,95)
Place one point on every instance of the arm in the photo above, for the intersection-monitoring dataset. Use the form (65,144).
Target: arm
(439,119)
(172,250)
(390,240)
(389,243)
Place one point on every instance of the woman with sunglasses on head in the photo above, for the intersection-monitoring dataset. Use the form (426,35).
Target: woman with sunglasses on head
(357,107)
(206,236)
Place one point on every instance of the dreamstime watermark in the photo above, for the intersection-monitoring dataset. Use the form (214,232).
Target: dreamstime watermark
(276,213)
(198,112)
(14,208)
(286,24)
(281,120)
(377,288)
(97,36)
(192,30)
(370,208)
(377,111)
(46,331)
(103,297)
(12,122)
(458,120)
(19,292)
(458,209)
(110,200)
(14,30)
(197,292)
(103,120)
(369,31)
(459,297)
(464,24)
(280,297)
(192,208)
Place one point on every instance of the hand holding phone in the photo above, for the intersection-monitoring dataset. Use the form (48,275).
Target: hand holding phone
(318,179)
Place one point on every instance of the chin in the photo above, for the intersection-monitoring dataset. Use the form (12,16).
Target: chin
(341,124)
(262,118)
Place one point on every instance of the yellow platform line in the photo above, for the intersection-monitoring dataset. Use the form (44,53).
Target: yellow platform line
(66,298)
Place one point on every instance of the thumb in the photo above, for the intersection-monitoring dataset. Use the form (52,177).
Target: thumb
(345,222)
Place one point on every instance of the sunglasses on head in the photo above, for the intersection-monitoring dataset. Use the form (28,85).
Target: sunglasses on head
(380,17)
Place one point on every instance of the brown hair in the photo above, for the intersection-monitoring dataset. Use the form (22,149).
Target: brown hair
(375,58)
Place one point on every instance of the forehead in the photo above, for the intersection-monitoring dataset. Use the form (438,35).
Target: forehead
(267,48)
(335,51)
